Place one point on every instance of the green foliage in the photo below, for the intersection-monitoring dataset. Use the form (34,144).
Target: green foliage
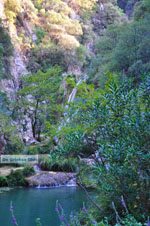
(40,34)
(70,82)
(3,181)
(44,57)
(28,170)
(31,150)
(122,50)
(142,10)
(117,119)
(16,178)
(82,56)
(60,27)
(4,104)
(45,163)
(38,222)
(15,8)
(58,164)
(129,221)
(60,22)
(5,50)
(12,8)
(1,55)
(74,144)
(40,100)
(87,218)
(110,14)
(10,133)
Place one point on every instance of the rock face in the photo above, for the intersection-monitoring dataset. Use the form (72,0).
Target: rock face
(2,12)
(49,179)
(2,143)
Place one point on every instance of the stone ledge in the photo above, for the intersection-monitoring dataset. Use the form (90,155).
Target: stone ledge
(49,179)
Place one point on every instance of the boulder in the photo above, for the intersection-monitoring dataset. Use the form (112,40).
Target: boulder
(49,179)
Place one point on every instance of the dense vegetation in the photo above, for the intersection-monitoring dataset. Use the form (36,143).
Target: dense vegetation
(116,120)
(123,49)
(107,122)
(17,177)
(5,50)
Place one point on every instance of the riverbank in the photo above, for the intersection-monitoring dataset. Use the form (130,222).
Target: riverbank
(33,176)
(6,170)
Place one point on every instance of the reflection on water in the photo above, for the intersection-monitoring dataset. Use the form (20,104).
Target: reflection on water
(30,203)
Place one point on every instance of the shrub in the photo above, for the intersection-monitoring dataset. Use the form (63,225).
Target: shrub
(69,165)
(28,170)
(118,120)
(3,181)
(45,163)
(58,165)
(31,150)
(16,178)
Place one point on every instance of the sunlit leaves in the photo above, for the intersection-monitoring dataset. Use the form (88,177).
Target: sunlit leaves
(40,99)
(115,125)
(12,8)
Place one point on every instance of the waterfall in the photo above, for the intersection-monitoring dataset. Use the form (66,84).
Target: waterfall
(37,168)
(72,182)
(74,92)
(71,98)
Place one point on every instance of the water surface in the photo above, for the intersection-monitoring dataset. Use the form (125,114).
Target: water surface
(32,203)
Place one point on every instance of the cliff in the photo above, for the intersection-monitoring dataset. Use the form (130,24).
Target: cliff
(42,34)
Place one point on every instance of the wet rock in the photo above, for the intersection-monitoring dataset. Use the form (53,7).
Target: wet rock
(49,179)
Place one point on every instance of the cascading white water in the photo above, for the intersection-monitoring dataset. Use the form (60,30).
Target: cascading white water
(37,168)
(71,98)
(74,92)
(72,182)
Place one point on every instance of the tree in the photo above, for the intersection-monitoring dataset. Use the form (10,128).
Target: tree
(39,100)
(117,118)
(142,9)
(9,135)
(123,50)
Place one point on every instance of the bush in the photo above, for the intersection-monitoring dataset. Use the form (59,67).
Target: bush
(16,178)
(45,163)
(118,120)
(123,50)
(76,143)
(31,150)
(58,165)
(3,181)
(69,166)
(28,170)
